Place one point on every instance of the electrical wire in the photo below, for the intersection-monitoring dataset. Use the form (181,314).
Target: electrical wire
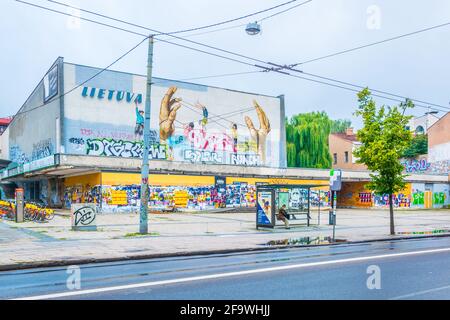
(283,11)
(196,28)
(90,78)
(278,69)
(371,44)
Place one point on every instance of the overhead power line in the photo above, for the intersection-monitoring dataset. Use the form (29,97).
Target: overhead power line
(200,27)
(90,78)
(372,44)
(278,68)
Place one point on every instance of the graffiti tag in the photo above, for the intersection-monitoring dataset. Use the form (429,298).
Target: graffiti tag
(202,156)
(78,141)
(42,149)
(123,149)
(200,139)
(84,216)
(416,165)
(245,159)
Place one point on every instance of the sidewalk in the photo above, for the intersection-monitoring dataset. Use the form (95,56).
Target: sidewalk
(28,244)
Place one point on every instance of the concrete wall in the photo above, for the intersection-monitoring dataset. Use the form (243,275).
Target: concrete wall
(101,119)
(439,145)
(439,133)
(33,131)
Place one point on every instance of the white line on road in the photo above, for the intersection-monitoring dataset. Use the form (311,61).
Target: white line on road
(418,293)
(226,275)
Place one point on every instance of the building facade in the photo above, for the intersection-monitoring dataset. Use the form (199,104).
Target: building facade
(78,110)
(78,138)
(439,145)
(420,125)
(342,146)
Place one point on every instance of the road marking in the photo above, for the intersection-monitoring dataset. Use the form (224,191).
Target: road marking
(226,275)
(418,293)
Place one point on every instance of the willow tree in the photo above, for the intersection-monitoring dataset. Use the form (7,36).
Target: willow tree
(339,126)
(307,140)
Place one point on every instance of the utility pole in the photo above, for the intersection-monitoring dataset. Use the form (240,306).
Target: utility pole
(143,225)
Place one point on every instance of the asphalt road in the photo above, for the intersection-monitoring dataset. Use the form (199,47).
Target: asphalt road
(408,269)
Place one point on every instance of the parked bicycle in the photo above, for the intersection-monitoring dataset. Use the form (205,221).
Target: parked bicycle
(7,210)
(32,211)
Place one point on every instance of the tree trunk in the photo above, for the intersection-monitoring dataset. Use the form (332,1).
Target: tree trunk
(391,214)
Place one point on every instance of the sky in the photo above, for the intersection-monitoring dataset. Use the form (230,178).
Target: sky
(416,66)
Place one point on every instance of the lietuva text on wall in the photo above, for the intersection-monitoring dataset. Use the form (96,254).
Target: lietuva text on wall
(189,122)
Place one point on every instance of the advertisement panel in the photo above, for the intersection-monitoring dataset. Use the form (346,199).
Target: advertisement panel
(189,122)
(264,217)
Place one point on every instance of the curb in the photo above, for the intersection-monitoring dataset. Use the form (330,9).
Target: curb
(48,264)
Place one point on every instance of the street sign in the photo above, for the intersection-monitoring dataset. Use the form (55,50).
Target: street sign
(335,180)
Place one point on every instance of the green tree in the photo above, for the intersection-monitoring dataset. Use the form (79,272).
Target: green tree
(419,145)
(384,139)
(339,126)
(307,139)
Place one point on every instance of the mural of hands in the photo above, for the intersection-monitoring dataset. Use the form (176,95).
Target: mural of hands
(168,114)
(259,136)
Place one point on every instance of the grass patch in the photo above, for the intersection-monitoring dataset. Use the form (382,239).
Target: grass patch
(137,234)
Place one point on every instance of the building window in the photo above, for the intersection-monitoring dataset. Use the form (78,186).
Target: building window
(420,130)
(346,156)
(334,158)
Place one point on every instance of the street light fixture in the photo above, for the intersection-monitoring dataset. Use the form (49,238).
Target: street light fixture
(253,28)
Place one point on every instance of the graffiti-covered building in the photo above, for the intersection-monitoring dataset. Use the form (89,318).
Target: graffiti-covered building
(79,138)
(79,111)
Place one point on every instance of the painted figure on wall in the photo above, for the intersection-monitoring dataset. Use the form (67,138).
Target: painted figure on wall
(204,121)
(259,135)
(168,114)
(234,134)
(139,128)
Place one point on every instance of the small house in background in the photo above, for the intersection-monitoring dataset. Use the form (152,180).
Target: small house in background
(4,145)
(4,123)
(420,125)
(342,146)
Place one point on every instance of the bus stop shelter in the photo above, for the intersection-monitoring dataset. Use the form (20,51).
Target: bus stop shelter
(270,198)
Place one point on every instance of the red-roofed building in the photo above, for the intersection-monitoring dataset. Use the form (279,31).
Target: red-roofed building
(4,123)
(342,146)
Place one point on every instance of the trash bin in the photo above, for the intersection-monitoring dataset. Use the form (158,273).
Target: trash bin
(331,218)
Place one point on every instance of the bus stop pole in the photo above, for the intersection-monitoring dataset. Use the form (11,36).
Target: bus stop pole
(318,218)
(334,214)
(309,205)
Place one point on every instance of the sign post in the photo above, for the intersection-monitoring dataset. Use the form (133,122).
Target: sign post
(19,195)
(335,185)
(143,216)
